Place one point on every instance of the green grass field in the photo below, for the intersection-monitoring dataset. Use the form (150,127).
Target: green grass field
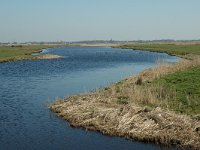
(186,86)
(172,49)
(13,53)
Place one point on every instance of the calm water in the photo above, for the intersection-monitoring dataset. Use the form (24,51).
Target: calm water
(27,87)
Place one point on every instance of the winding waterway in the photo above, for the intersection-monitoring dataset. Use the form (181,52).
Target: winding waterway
(28,87)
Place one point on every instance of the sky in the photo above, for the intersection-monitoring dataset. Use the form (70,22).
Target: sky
(77,20)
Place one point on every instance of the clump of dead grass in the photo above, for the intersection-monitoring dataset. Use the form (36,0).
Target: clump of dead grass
(134,122)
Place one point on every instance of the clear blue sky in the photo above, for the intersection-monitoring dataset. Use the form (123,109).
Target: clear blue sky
(74,20)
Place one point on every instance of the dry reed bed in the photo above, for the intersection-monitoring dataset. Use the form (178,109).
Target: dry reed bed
(48,56)
(101,111)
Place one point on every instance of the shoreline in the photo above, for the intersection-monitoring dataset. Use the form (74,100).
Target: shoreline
(108,112)
(30,55)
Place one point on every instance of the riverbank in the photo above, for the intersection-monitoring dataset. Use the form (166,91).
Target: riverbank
(184,50)
(24,52)
(143,107)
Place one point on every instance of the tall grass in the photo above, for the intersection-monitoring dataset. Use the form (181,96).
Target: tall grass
(150,89)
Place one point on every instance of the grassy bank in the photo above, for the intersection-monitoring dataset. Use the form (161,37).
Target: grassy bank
(160,105)
(180,91)
(172,49)
(19,52)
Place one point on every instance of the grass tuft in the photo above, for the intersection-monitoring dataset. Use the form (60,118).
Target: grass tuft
(122,100)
